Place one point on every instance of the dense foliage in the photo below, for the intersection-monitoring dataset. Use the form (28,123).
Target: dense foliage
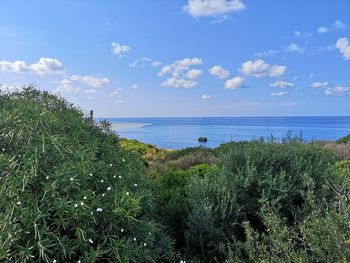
(68,193)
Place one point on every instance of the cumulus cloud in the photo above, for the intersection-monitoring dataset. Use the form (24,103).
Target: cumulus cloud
(179,83)
(318,84)
(301,34)
(259,68)
(294,48)
(278,94)
(337,25)
(43,67)
(113,94)
(206,97)
(119,49)
(193,73)
(234,83)
(344,47)
(97,82)
(198,8)
(219,72)
(66,86)
(135,86)
(179,71)
(282,84)
(336,91)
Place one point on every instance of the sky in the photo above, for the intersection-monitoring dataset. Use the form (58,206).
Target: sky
(159,58)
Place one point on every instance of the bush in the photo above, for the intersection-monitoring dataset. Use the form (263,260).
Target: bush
(68,193)
(290,177)
(345,139)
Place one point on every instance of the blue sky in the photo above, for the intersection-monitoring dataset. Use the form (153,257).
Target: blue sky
(182,58)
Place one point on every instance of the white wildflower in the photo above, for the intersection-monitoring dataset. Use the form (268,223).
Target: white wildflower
(19,202)
(135,185)
(144,244)
(122,230)
(114,176)
(54,261)
(103,195)
(71,179)
(75,205)
(90,174)
(99,209)
(109,188)
(101,180)
(134,238)
(84,197)
(3,149)
(82,203)
(110,165)
(127,193)
(47,178)
(123,160)
(119,177)
(91,241)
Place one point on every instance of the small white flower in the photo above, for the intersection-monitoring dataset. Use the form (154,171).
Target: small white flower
(47,178)
(82,203)
(122,230)
(135,185)
(71,179)
(134,238)
(123,160)
(101,180)
(119,177)
(93,192)
(91,241)
(84,197)
(144,244)
(54,261)
(3,149)
(19,156)
(90,174)
(109,188)
(114,176)
(110,165)
(91,213)
(127,193)
(75,205)
(149,233)
(103,195)
(99,209)
(79,261)
(19,202)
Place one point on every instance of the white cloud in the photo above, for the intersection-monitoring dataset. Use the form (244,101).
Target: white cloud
(135,86)
(180,70)
(301,34)
(197,8)
(179,66)
(97,82)
(337,25)
(344,47)
(179,83)
(65,86)
(282,84)
(294,48)
(234,83)
(318,85)
(278,94)
(206,97)
(259,68)
(219,72)
(42,67)
(119,49)
(322,30)
(139,63)
(267,53)
(336,91)
(193,73)
(156,63)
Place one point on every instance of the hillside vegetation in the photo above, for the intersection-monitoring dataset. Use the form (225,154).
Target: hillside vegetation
(72,191)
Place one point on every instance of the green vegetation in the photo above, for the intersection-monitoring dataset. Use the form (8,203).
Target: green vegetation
(72,190)
(68,192)
(345,139)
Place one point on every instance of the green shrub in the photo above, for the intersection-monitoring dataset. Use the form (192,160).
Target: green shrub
(67,192)
(290,176)
(171,202)
(345,139)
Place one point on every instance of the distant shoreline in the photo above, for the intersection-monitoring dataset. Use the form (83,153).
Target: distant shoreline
(126,125)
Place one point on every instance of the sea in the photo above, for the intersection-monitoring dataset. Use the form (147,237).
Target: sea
(182,132)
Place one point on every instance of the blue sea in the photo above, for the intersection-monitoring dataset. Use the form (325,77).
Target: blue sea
(178,133)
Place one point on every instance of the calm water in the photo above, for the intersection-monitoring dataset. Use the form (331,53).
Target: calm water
(177,133)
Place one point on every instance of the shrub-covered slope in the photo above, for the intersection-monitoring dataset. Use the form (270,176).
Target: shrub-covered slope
(67,192)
